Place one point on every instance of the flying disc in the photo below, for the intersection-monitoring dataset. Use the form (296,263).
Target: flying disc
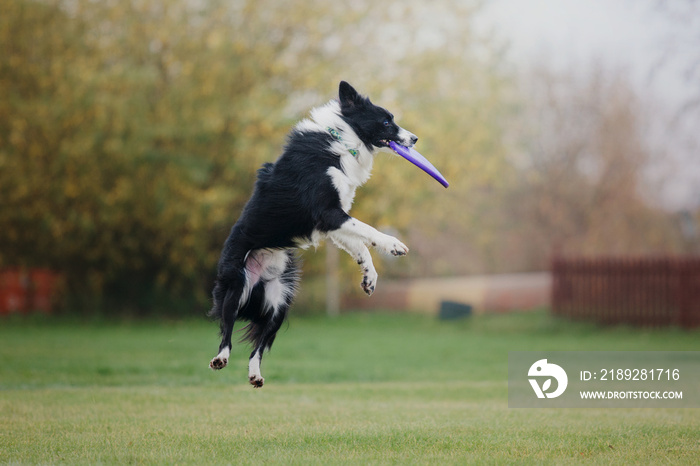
(413,156)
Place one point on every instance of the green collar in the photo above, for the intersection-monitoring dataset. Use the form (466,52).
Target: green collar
(336,134)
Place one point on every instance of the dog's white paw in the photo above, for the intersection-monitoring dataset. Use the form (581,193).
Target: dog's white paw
(369,280)
(391,245)
(256,381)
(218,363)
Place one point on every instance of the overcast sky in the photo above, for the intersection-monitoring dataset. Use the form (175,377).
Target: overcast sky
(632,34)
(628,33)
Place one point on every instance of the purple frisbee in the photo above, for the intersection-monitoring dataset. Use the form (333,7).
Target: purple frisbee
(419,161)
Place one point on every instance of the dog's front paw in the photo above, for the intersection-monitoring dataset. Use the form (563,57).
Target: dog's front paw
(218,363)
(369,281)
(256,381)
(399,249)
(391,245)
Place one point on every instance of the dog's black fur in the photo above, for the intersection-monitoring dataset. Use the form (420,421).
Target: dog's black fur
(300,199)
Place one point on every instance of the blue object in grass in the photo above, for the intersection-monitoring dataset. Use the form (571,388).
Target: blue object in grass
(450,310)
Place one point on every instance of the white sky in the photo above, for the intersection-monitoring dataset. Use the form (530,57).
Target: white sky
(632,34)
(629,33)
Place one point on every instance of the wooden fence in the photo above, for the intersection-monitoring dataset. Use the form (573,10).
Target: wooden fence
(25,291)
(638,291)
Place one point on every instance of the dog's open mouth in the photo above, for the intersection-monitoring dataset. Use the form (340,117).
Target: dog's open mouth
(389,142)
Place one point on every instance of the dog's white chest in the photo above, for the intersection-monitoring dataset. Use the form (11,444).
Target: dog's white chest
(344,186)
(347,196)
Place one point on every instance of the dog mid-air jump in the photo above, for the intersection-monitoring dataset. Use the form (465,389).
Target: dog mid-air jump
(301,199)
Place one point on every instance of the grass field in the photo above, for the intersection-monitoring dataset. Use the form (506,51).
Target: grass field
(363,389)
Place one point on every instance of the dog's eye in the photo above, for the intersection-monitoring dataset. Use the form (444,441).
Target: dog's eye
(387,123)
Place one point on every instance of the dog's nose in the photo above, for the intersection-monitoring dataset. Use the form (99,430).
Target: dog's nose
(414,139)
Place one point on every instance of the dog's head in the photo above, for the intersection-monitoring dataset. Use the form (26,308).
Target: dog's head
(374,125)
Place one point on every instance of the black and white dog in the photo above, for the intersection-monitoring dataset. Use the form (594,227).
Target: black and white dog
(301,199)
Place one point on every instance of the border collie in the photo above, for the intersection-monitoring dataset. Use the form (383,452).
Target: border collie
(301,199)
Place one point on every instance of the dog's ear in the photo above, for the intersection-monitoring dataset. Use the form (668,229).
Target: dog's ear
(349,97)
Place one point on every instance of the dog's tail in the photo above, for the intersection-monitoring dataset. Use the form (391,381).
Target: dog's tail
(230,278)
(224,301)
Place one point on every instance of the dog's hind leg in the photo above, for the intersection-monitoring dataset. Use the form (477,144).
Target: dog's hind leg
(278,295)
(264,342)
(227,301)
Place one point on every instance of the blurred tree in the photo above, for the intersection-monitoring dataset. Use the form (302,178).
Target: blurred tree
(680,56)
(681,47)
(130,131)
(128,135)
(582,157)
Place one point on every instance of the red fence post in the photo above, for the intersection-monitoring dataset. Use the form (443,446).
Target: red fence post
(22,291)
(13,291)
(43,286)
(556,286)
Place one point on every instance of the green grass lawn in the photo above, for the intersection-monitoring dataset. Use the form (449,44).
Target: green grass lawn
(363,388)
